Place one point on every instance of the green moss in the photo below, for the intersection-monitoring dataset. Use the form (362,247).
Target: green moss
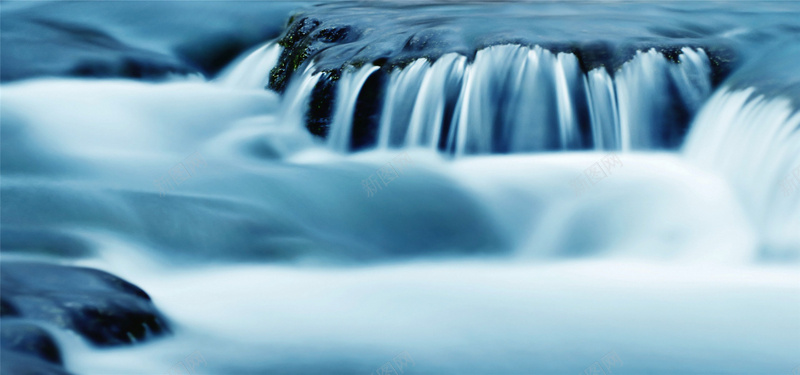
(298,59)
(296,50)
(672,53)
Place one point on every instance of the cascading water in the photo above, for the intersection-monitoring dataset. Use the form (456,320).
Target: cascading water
(603,109)
(395,107)
(614,198)
(252,69)
(514,99)
(296,99)
(349,88)
(437,90)
(755,143)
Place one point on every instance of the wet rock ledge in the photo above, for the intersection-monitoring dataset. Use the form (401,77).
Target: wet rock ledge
(102,308)
(393,34)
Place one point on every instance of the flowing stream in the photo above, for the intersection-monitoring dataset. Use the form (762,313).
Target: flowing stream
(510,215)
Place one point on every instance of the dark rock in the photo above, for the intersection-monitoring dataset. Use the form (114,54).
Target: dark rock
(322,102)
(103,308)
(339,34)
(388,34)
(29,339)
(367,115)
(6,309)
(16,363)
(295,52)
(335,35)
(724,59)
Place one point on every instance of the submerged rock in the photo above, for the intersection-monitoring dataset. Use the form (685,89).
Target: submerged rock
(102,308)
(29,339)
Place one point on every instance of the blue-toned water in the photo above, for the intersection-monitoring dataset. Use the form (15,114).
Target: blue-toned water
(510,213)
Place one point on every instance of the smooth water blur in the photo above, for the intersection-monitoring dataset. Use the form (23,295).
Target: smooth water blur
(269,255)
(514,99)
(263,173)
(474,317)
(658,244)
(755,143)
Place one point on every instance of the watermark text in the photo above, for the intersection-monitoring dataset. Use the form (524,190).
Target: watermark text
(386,174)
(179,173)
(188,365)
(397,366)
(594,173)
(791,184)
(604,365)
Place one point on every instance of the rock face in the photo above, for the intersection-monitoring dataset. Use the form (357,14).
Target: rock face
(393,34)
(388,34)
(102,308)
(98,306)
(30,339)
(16,363)
(26,348)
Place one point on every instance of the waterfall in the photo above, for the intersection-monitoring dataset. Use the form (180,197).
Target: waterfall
(503,102)
(514,99)
(754,142)
(349,87)
(603,109)
(252,70)
(436,90)
(398,99)
(297,97)
(642,89)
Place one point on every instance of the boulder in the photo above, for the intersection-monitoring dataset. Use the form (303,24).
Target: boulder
(28,339)
(101,307)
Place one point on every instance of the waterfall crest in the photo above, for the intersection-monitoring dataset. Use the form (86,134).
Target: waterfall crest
(514,99)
